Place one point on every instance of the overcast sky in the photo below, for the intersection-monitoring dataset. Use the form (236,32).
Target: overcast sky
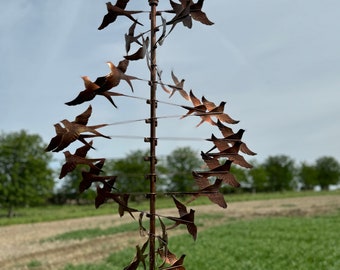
(275,63)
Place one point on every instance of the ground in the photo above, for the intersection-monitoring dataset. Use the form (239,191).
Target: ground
(21,245)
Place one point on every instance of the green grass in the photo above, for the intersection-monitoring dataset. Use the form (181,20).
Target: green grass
(54,212)
(274,243)
(96,232)
(34,264)
(132,227)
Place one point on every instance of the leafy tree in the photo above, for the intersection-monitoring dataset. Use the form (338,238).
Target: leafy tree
(25,176)
(259,178)
(132,172)
(180,164)
(327,171)
(280,171)
(307,175)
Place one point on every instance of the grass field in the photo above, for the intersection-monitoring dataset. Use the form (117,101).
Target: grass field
(263,231)
(57,212)
(272,243)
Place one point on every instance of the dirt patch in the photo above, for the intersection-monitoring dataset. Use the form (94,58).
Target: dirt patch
(21,245)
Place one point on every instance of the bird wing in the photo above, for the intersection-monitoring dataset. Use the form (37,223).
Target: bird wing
(83,118)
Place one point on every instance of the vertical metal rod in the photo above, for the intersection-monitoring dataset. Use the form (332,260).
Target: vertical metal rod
(153,141)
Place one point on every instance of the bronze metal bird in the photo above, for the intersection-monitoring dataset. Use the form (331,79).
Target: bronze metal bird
(218,111)
(163,35)
(209,190)
(186,11)
(113,11)
(56,143)
(178,87)
(167,256)
(205,118)
(197,109)
(185,217)
(221,171)
(89,178)
(195,101)
(89,93)
(123,206)
(226,131)
(182,12)
(177,265)
(198,106)
(139,257)
(72,160)
(72,131)
(197,13)
(140,53)
(122,201)
(131,38)
(159,75)
(232,154)
(224,143)
(101,194)
(86,182)
(79,125)
(114,77)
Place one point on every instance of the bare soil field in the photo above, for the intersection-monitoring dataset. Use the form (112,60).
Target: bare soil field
(21,245)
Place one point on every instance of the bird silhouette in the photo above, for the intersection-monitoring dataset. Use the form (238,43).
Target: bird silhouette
(186,11)
(72,160)
(197,13)
(221,171)
(102,192)
(113,11)
(167,256)
(57,142)
(163,34)
(159,75)
(205,117)
(87,179)
(116,74)
(232,154)
(197,109)
(123,206)
(89,93)
(139,257)
(177,265)
(185,217)
(218,111)
(226,131)
(195,101)
(131,38)
(140,53)
(178,87)
(182,12)
(72,131)
(224,143)
(79,125)
(122,201)
(209,190)
(220,115)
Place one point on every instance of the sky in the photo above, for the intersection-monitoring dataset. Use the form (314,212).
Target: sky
(275,63)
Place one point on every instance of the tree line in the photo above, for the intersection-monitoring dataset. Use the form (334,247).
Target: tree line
(27,179)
